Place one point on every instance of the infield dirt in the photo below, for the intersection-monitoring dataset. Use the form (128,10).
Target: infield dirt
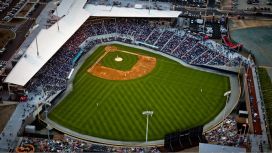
(143,66)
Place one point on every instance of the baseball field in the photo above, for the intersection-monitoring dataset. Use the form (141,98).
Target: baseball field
(113,87)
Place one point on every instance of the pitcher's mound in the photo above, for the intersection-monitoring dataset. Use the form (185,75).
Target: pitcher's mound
(118,59)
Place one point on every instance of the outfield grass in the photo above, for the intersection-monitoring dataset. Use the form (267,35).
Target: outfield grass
(171,90)
(128,60)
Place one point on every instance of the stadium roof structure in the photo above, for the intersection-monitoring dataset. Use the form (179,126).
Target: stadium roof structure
(73,14)
(50,41)
(114,11)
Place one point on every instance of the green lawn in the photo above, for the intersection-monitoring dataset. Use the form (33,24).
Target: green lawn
(128,60)
(266,86)
(171,90)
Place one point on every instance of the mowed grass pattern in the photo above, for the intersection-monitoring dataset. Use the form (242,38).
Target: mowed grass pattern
(171,90)
(128,60)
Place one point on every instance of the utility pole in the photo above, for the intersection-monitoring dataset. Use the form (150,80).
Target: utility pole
(57,19)
(37,47)
(149,6)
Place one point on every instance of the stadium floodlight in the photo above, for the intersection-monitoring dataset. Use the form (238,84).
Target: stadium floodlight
(226,94)
(46,114)
(147,113)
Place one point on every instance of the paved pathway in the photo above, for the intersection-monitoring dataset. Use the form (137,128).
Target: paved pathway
(262,139)
(269,71)
(8,137)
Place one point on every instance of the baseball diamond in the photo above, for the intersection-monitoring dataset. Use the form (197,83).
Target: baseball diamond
(111,65)
(180,97)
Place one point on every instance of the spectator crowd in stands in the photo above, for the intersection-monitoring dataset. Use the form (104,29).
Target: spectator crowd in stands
(68,144)
(226,134)
(177,43)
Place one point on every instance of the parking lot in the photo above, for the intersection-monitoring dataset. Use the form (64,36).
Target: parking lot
(21,27)
(243,5)
(9,8)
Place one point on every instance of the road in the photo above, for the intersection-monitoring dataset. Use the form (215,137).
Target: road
(219,13)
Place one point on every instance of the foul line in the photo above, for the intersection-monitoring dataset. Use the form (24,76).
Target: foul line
(98,60)
(130,52)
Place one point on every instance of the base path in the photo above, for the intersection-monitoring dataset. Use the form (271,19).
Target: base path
(144,65)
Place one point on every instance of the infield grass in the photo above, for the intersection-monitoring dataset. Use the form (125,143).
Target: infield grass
(113,109)
(128,60)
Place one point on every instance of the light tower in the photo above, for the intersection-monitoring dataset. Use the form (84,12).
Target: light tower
(147,113)
(226,94)
(46,115)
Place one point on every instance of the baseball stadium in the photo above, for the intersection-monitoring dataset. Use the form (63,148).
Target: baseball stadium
(109,78)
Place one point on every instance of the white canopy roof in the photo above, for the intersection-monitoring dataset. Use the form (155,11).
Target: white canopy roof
(109,11)
(49,42)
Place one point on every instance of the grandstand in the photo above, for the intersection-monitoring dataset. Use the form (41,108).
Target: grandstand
(47,65)
(190,49)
